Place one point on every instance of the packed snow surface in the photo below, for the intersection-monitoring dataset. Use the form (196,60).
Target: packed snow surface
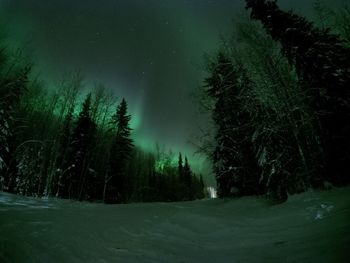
(310,227)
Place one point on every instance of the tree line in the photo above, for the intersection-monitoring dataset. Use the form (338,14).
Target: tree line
(279,94)
(59,142)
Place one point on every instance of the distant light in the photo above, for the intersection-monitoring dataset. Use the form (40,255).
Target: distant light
(212,192)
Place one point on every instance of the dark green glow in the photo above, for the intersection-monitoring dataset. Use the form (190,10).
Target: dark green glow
(146,51)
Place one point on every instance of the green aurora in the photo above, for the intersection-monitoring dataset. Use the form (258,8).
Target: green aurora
(150,52)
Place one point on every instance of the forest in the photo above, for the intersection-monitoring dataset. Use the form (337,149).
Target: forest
(67,144)
(277,90)
(279,95)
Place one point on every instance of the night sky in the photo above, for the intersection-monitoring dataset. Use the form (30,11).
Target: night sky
(148,51)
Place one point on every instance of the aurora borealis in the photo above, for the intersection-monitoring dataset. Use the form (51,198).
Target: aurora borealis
(174,131)
(150,52)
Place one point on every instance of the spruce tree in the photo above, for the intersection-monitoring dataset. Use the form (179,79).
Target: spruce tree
(323,65)
(120,154)
(234,159)
(60,180)
(80,152)
(180,168)
(217,85)
(187,176)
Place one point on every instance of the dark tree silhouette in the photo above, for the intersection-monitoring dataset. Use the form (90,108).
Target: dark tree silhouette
(180,168)
(120,154)
(187,176)
(60,180)
(234,159)
(78,168)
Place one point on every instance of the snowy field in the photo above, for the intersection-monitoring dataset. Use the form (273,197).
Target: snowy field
(310,227)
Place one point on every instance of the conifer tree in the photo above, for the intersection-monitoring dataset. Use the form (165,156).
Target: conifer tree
(180,168)
(234,160)
(79,172)
(120,154)
(60,181)
(187,175)
(217,86)
(323,63)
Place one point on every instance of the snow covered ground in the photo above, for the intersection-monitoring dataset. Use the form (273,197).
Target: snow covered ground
(310,227)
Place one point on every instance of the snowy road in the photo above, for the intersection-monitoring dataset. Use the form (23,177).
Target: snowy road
(311,227)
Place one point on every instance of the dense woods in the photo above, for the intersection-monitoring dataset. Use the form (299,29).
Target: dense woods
(280,100)
(72,143)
